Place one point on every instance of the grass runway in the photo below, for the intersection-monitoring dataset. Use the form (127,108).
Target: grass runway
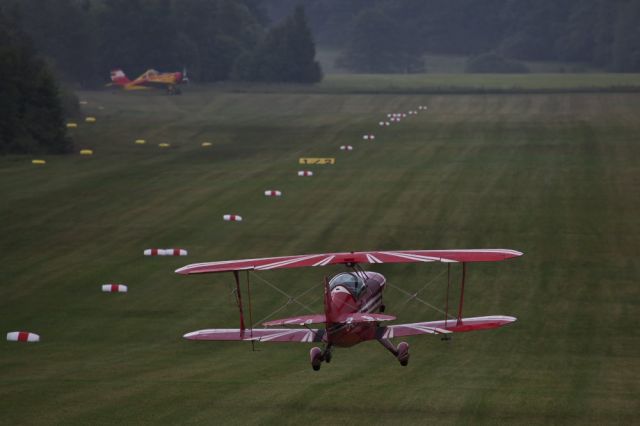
(553,175)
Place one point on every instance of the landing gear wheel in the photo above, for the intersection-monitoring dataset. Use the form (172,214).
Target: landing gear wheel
(327,356)
(315,354)
(403,353)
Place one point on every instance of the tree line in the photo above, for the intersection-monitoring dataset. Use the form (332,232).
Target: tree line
(213,39)
(394,35)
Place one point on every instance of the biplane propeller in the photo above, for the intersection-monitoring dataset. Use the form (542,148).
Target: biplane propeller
(353,308)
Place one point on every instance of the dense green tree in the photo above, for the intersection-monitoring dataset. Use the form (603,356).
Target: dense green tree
(63,30)
(287,54)
(378,45)
(626,41)
(31,114)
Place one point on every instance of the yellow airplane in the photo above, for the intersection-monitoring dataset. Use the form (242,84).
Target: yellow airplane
(150,79)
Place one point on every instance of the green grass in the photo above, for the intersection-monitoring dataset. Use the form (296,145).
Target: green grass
(445,84)
(555,176)
(480,83)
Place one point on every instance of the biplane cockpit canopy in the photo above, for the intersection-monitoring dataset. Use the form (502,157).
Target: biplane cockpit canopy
(350,281)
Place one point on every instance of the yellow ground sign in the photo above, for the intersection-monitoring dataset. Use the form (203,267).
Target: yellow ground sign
(205,144)
(86,152)
(72,125)
(314,160)
(90,119)
(164,145)
(38,162)
(140,141)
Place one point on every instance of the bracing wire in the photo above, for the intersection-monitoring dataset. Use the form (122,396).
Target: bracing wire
(290,299)
(414,296)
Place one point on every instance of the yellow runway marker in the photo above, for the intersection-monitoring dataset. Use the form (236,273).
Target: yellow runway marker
(72,125)
(140,142)
(38,162)
(312,160)
(90,119)
(86,152)
(205,144)
(164,145)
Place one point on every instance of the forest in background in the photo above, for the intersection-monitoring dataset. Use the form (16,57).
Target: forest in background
(393,35)
(213,39)
(266,40)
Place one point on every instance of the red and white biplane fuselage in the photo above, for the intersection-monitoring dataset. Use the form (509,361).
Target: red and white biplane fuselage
(353,306)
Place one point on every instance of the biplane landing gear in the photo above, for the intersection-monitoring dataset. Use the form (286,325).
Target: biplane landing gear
(173,90)
(316,358)
(403,353)
(318,355)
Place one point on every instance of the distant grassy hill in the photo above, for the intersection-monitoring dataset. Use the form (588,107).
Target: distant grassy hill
(552,175)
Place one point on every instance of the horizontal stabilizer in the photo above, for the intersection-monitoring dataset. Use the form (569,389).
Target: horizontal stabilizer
(444,327)
(321,319)
(258,335)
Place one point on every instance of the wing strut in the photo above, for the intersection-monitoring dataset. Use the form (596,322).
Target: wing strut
(464,273)
(253,348)
(239,301)
(446,305)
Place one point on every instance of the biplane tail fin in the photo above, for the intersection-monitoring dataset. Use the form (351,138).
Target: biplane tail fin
(119,78)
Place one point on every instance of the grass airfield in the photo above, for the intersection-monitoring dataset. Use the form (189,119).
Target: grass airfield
(552,175)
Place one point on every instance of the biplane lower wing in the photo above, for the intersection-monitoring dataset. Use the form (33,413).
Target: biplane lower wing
(306,335)
(444,327)
(258,334)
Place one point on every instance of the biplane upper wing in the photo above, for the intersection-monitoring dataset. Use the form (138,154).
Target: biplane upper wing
(324,259)
(303,335)
(444,327)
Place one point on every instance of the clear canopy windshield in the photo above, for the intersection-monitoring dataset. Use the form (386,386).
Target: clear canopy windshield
(350,281)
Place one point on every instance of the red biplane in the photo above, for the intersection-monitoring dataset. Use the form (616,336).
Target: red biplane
(353,308)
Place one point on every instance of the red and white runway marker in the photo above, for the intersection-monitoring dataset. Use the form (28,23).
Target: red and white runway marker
(22,336)
(165,252)
(272,193)
(305,173)
(232,218)
(346,148)
(114,288)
